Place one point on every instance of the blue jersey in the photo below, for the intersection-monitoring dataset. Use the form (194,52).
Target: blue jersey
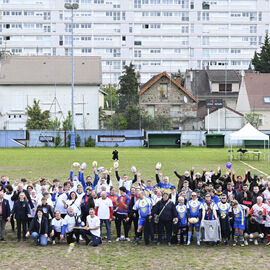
(148,190)
(143,206)
(165,187)
(223,209)
(182,214)
(194,207)
(239,214)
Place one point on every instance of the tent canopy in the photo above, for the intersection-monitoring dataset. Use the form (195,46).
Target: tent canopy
(248,132)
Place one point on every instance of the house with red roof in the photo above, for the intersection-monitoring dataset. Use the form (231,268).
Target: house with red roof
(163,95)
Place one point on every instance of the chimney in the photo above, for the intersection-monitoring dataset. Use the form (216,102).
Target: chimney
(178,79)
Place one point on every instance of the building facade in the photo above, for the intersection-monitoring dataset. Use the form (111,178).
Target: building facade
(48,80)
(254,97)
(162,95)
(155,35)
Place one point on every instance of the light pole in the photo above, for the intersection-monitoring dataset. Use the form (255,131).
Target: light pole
(72,6)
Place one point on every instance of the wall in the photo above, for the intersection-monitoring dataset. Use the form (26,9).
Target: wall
(228,120)
(15,98)
(132,138)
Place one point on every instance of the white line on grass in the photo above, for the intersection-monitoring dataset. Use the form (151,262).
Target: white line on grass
(253,167)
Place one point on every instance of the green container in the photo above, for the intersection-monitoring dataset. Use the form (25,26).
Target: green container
(215,140)
(164,140)
(255,144)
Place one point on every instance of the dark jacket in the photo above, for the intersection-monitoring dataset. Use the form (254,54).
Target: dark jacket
(254,227)
(21,210)
(15,197)
(168,214)
(245,201)
(5,209)
(131,210)
(176,198)
(181,180)
(40,228)
(47,210)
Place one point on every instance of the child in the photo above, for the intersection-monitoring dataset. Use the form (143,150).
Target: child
(57,224)
(181,209)
(240,212)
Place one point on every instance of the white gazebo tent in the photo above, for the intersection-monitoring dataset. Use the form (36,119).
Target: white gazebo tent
(248,132)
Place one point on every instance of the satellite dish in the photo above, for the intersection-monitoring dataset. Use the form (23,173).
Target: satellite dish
(185,99)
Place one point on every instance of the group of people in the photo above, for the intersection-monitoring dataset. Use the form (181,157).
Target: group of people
(208,207)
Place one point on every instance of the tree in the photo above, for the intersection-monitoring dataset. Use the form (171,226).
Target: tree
(132,115)
(178,74)
(253,119)
(261,61)
(67,123)
(36,118)
(116,121)
(55,124)
(111,100)
(128,88)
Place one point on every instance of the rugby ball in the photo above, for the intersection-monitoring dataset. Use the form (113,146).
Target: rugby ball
(100,169)
(133,169)
(83,166)
(94,164)
(158,166)
(193,220)
(116,164)
(76,164)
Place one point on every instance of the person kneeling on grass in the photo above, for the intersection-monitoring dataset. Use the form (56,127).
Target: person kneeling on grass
(39,229)
(253,232)
(240,213)
(70,221)
(92,228)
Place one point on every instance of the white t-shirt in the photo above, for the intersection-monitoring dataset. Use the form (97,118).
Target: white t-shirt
(70,221)
(57,223)
(104,208)
(92,223)
(76,205)
(8,197)
(38,188)
(59,204)
(126,184)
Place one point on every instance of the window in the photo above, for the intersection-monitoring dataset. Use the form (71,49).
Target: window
(205,16)
(138,53)
(235,51)
(86,50)
(225,87)
(184,28)
(266,100)
(163,90)
(253,29)
(137,43)
(155,51)
(151,110)
(137,3)
(192,5)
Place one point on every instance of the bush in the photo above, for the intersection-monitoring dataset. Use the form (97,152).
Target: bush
(77,140)
(90,142)
(58,140)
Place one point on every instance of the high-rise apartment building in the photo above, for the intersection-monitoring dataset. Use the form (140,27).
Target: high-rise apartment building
(156,35)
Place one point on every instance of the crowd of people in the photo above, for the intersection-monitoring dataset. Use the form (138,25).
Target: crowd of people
(207,206)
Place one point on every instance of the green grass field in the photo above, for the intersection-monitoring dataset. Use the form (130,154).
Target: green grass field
(56,163)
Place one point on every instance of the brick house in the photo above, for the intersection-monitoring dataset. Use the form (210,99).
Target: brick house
(162,95)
